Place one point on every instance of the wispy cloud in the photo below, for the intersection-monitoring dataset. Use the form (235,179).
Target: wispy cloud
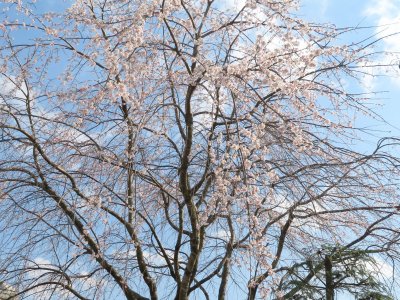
(385,15)
(234,5)
(381,268)
(317,8)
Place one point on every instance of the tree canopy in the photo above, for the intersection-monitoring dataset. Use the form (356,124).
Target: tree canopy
(183,149)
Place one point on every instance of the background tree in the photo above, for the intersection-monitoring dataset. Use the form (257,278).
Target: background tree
(333,270)
(176,149)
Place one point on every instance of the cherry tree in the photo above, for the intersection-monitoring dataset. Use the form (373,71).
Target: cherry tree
(183,149)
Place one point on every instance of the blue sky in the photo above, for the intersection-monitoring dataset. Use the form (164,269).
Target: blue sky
(383,18)
(380,18)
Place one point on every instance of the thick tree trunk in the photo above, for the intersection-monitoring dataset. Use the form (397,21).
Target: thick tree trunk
(252,293)
(329,286)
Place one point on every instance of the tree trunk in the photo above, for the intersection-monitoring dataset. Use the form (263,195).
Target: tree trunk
(329,286)
(252,293)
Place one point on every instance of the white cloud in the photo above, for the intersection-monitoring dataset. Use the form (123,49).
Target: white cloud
(39,267)
(234,5)
(40,271)
(153,259)
(222,234)
(386,16)
(11,92)
(317,8)
(381,267)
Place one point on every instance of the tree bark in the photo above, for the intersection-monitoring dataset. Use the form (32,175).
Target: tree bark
(329,286)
